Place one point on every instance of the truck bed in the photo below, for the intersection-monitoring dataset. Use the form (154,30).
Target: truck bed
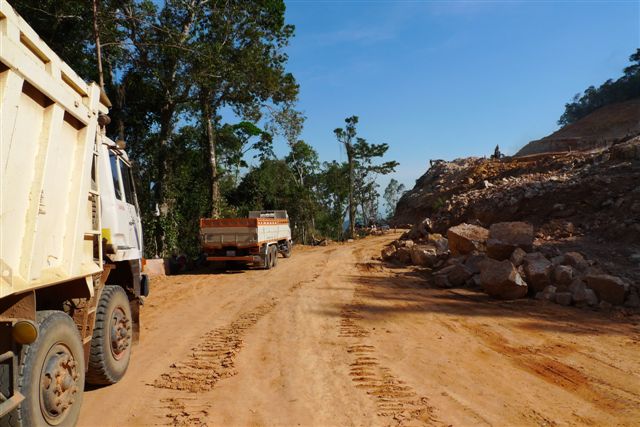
(242,232)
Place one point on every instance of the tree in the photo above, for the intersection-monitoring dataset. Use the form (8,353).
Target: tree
(241,65)
(333,192)
(392,195)
(345,137)
(362,171)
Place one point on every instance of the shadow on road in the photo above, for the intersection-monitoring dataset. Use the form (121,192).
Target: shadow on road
(382,292)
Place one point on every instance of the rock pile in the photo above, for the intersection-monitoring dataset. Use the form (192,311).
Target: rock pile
(562,194)
(503,262)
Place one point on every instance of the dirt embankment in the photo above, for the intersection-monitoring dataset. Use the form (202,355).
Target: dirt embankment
(334,337)
(608,125)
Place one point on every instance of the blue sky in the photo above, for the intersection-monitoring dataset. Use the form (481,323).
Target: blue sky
(450,79)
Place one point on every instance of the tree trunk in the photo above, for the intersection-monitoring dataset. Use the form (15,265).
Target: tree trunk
(161,172)
(207,116)
(352,206)
(96,35)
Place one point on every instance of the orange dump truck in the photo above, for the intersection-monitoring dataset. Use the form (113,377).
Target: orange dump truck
(254,241)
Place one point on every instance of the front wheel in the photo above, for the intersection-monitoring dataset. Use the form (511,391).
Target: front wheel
(52,373)
(112,337)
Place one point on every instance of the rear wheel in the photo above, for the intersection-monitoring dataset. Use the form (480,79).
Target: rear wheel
(287,251)
(112,337)
(52,373)
(274,255)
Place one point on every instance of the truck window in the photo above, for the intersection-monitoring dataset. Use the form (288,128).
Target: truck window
(116,177)
(129,191)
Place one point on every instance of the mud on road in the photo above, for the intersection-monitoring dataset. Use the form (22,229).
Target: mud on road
(332,337)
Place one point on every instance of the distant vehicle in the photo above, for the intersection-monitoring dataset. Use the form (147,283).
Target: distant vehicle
(71,236)
(255,241)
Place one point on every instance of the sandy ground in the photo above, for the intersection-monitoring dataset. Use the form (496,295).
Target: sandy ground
(330,337)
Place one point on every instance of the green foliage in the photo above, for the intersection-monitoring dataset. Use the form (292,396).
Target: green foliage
(392,195)
(625,88)
(362,172)
(169,69)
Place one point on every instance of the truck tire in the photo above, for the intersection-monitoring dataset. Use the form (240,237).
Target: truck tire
(268,263)
(274,255)
(112,336)
(287,252)
(57,353)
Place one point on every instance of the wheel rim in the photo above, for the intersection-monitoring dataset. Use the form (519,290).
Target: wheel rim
(58,384)
(120,331)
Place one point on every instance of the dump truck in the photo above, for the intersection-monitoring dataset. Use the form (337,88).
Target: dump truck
(70,236)
(254,241)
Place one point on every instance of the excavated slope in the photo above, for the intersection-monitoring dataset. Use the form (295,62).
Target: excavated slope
(600,129)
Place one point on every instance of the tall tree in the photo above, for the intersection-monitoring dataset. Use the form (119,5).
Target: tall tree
(345,137)
(392,194)
(241,65)
(362,171)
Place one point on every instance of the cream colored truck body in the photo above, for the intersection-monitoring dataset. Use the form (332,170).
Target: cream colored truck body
(246,240)
(56,176)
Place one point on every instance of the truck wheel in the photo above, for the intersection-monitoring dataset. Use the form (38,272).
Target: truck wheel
(287,252)
(112,336)
(268,262)
(274,255)
(52,373)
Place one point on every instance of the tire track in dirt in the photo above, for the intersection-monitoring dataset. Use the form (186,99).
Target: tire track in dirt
(394,399)
(211,360)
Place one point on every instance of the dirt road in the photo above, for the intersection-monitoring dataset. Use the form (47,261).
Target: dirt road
(330,337)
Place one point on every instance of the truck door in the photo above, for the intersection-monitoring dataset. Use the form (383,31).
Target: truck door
(126,206)
(135,224)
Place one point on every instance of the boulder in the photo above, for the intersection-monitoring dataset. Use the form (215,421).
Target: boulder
(420,230)
(441,243)
(563,275)
(609,288)
(549,293)
(408,243)
(424,256)
(441,281)
(456,274)
(473,263)
(388,253)
(505,237)
(538,271)
(403,255)
(576,260)
(605,305)
(633,300)
(501,280)
(564,298)
(578,292)
(466,238)
(592,298)
(517,257)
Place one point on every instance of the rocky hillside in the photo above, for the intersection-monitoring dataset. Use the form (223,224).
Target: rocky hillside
(587,202)
(602,128)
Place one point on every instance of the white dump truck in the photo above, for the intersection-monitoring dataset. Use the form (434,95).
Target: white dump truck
(255,241)
(70,236)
